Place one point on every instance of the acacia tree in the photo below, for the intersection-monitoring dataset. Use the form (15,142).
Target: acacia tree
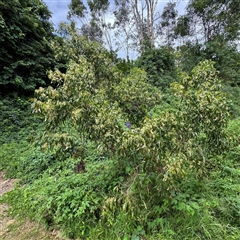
(159,151)
(94,95)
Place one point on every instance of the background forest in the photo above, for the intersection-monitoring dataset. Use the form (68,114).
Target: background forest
(112,148)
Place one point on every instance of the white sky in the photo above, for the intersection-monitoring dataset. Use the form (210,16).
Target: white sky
(59,8)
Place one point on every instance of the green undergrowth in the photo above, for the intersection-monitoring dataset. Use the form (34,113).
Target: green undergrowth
(78,202)
(207,209)
(61,193)
(100,196)
(16,121)
(19,127)
(233,94)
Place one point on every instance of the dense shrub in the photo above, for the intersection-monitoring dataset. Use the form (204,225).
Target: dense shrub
(160,67)
(111,162)
(17,123)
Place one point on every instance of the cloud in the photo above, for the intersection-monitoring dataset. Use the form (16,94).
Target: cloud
(59,9)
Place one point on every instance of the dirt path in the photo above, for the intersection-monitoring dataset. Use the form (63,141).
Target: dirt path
(12,229)
(5,186)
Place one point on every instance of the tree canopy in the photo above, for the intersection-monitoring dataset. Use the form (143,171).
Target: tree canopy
(25,34)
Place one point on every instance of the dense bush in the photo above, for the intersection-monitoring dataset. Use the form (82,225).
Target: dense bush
(225,55)
(115,160)
(25,33)
(160,67)
(16,121)
(161,159)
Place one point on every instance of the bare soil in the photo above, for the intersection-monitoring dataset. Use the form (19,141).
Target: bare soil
(6,185)
(13,228)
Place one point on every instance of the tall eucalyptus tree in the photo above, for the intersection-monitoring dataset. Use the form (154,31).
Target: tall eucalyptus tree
(134,23)
(92,17)
(138,19)
(211,29)
(168,23)
(209,19)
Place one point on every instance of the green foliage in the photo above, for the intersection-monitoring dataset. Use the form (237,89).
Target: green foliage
(205,104)
(118,163)
(233,94)
(19,127)
(225,55)
(160,67)
(233,128)
(114,159)
(94,10)
(23,161)
(168,151)
(209,33)
(9,155)
(211,21)
(182,27)
(87,204)
(25,33)
(185,136)
(162,158)
(16,121)
(62,196)
(226,189)
(124,65)
(189,55)
(227,59)
(76,8)
(167,23)
(135,96)
(73,45)
(94,97)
